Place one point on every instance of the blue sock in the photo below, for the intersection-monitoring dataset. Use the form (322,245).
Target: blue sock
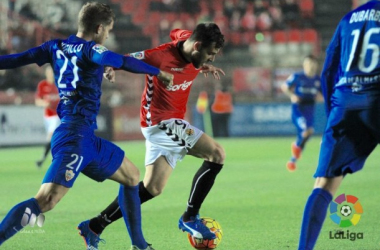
(129,202)
(18,217)
(313,217)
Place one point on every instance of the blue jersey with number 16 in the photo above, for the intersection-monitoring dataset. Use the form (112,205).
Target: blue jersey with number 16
(359,34)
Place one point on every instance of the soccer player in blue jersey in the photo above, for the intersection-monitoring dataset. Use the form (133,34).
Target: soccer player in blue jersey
(351,88)
(303,88)
(78,64)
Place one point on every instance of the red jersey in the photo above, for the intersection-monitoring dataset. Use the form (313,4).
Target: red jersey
(157,102)
(48,92)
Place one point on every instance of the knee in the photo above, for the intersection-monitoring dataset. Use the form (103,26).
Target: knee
(218,154)
(154,190)
(130,174)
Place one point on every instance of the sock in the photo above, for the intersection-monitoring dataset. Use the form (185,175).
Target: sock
(107,216)
(18,217)
(129,203)
(301,141)
(313,217)
(202,184)
(113,213)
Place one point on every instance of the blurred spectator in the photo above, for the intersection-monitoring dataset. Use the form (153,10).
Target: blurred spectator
(248,21)
(291,12)
(221,108)
(27,11)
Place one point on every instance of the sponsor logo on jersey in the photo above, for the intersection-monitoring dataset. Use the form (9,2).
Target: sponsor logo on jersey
(189,131)
(138,55)
(176,69)
(99,48)
(182,86)
(69,175)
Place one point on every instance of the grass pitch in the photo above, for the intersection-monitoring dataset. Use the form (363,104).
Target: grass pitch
(258,203)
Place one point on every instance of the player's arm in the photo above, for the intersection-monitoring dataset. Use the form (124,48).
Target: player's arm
(216,72)
(288,88)
(37,55)
(330,69)
(131,64)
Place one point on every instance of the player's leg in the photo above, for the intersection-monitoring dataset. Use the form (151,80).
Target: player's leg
(129,201)
(213,155)
(30,211)
(307,112)
(316,209)
(345,146)
(155,179)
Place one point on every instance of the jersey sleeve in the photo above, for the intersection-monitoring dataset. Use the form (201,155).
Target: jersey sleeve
(150,56)
(39,55)
(331,68)
(102,56)
(178,34)
(291,80)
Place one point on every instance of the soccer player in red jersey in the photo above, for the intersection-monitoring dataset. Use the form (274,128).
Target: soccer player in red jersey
(168,136)
(47,97)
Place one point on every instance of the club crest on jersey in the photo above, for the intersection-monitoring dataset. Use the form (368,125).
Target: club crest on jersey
(69,175)
(189,131)
(99,48)
(138,55)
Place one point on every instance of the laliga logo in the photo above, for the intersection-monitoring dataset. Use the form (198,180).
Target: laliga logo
(346,211)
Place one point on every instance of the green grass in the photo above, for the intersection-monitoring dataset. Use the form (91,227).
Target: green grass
(256,200)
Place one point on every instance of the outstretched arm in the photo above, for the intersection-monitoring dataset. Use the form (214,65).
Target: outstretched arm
(133,65)
(34,55)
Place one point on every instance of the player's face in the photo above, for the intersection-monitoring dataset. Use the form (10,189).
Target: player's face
(103,33)
(203,55)
(310,67)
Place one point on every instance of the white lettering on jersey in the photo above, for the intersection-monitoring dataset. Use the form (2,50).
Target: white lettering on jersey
(72,48)
(365,15)
(182,86)
(176,69)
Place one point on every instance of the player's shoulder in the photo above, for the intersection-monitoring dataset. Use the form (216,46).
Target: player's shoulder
(160,52)
(179,34)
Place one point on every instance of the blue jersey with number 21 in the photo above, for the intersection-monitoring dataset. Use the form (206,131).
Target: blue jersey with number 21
(78,67)
(353,56)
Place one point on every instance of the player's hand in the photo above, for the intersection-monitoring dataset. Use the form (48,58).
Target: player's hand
(166,78)
(208,68)
(294,98)
(109,74)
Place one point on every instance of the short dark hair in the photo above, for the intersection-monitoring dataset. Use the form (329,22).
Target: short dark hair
(93,14)
(312,57)
(208,33)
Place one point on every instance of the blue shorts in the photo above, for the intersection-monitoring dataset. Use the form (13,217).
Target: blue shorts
(352,133)
(76,149)
(303,116)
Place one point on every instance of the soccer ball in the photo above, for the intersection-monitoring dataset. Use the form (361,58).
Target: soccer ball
(207,244)
(345,210)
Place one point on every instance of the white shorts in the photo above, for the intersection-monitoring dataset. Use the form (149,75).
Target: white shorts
(170,138)
(51,123)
